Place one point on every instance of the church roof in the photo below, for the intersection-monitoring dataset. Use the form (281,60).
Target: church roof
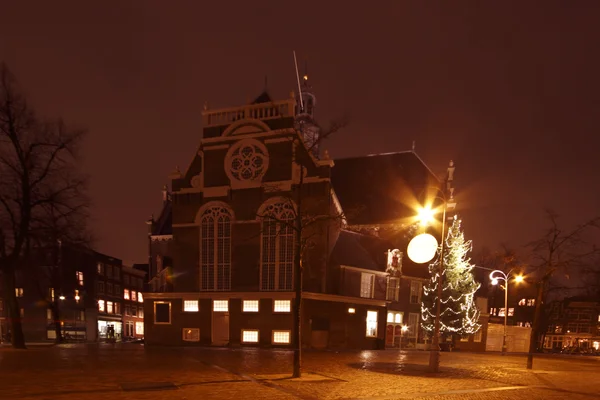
(263,98)
(361,251)
(382,188)
(164,224)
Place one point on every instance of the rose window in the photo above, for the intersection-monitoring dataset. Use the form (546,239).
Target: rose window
(248,161)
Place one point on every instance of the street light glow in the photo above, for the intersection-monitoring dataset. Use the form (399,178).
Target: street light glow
(494,281)
(62,297)
(425,215)
(519,278)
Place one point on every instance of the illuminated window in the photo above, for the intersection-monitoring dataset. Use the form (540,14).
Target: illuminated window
(281,337)
(220,306)
(190,305)
(501,312)
(530,302)
(522,302)
(140,298)
(464,338)
(100,268)
(277,240)
(191,334)
(126,294)
(351,310)
(51,293)
(390,317)
(250,336)
(215,252)
(79,275)
(19,292)
(117,308)
(511,312)
(415,292)
(139,328)
(398,318)
(140,312)
(133,295)
(366,285)
(282,305)
(101,305)
(250,306)
(109,307)
(162,312)
(371,323)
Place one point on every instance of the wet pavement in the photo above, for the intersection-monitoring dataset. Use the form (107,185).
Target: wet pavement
(130,371)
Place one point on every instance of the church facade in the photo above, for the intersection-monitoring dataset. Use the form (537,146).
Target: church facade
(228,231)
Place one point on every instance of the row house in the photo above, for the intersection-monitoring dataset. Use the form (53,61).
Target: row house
(226,239)
(573,323)
(133,302)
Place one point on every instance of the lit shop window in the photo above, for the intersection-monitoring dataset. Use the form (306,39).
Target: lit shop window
(139,328)
(371,323)
(249,336)
(101,305)
(126,294)
(190,305)
(281,337)
(282,306)
(191,334)
(501,312)
(250,306)
(220,306)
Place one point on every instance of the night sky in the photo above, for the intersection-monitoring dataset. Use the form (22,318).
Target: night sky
(509,90)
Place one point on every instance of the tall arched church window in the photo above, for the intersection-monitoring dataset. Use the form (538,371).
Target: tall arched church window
(215,249)
(277,240)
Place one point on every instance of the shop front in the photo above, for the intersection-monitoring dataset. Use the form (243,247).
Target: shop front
(110,329)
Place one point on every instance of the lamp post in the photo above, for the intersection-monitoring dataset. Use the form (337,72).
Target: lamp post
(496,276)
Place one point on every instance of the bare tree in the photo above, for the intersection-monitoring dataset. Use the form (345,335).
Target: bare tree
(307,223)
(37,166)
(557,252)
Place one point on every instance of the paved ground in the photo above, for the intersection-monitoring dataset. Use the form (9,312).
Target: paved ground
(129,371)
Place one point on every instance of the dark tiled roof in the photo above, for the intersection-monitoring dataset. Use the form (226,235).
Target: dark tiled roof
(263,98)
(361,251)
(164,224)
(380,188)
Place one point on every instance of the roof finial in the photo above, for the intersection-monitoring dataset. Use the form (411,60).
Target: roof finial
(414,146)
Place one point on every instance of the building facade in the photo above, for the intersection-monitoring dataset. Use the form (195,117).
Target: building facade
(227,238)
(573,326)
(133,302)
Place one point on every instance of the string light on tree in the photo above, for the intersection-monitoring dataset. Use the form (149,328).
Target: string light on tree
(459,314)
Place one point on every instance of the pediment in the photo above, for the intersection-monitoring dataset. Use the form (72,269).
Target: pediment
(246,127)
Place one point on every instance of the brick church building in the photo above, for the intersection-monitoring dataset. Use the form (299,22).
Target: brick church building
(222,250)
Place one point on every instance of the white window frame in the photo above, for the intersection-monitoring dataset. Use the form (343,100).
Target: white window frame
(218,306)
(248,306)
(170,313)
(243,340)
(279,306)
(275,332)
(215,248)
(194,306)
(367,285)
(393,296)
(190,334)
(277,245)
(371,313)
(419,286)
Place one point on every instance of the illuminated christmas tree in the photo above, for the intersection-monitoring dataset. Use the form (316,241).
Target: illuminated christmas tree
(458,312)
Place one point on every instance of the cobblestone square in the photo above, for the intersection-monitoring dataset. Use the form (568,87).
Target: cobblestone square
(131,371)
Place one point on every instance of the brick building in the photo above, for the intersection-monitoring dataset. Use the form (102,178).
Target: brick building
(573,324)
(224,236)
(134,280)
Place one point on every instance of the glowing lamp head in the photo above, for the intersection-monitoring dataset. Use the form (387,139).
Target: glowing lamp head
(77,298)
(62,297)
(494,281)
(422,248)
(519,278)
(404,328)
(425,216)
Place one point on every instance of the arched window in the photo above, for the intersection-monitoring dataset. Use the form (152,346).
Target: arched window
(215,249)
(277,240)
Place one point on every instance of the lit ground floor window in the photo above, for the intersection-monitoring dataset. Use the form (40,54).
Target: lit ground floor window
(249,336)
(281,337)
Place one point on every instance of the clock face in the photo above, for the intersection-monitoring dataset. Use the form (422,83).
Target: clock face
(247,160)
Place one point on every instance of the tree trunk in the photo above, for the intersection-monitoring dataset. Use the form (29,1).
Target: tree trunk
(14,312)
(533,340)
(298,280)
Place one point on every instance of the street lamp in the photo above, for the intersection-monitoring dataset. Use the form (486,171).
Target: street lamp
(496,276)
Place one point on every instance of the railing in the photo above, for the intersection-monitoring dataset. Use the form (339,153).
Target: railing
(226,116)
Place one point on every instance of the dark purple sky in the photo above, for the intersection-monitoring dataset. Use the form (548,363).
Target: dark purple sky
(510,90)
